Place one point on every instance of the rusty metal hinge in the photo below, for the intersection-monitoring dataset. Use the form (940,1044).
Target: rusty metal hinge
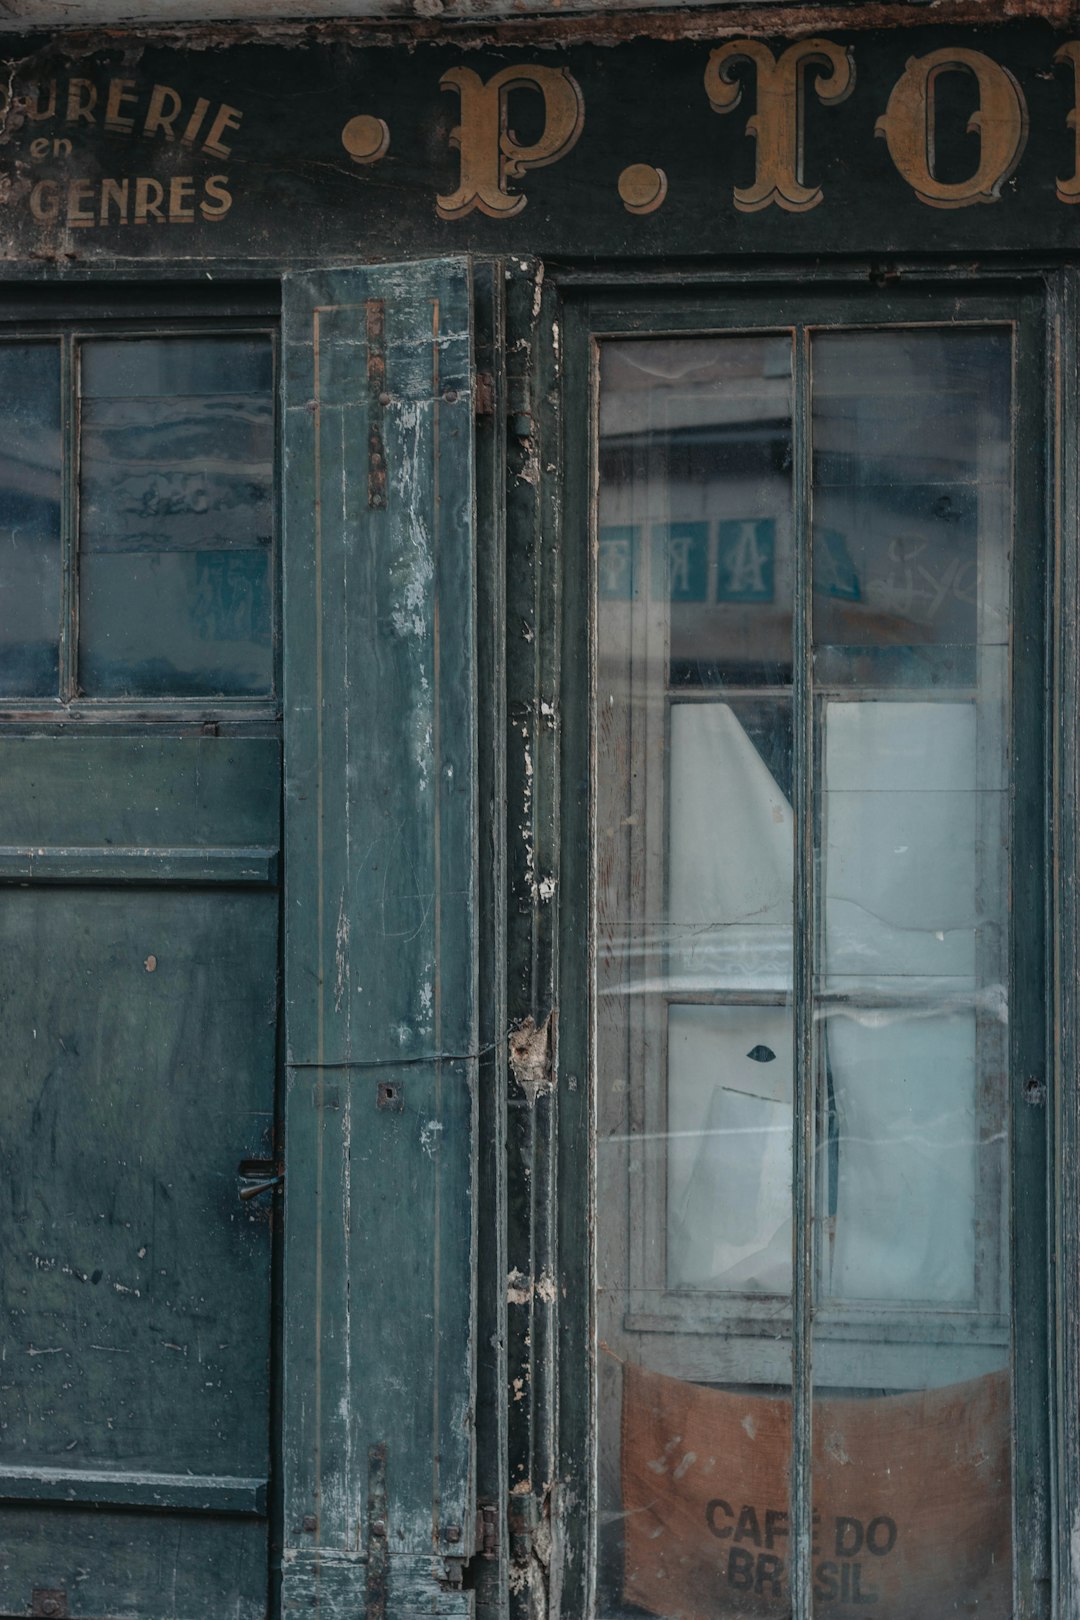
(378,1541)
(484,396)
(487,1530)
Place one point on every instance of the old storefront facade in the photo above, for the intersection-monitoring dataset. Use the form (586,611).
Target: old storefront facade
(539,684)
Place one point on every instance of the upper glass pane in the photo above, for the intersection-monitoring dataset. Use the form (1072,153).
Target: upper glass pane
(904,474)
(176,484)
(30,519)
(705,429)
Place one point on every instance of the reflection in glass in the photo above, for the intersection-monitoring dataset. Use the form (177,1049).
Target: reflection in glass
(729,1148)
(30,461)
(176,517)
(694,1059)
(907,935)
(912,463)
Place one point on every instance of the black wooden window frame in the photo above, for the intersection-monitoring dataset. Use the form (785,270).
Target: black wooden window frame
(87,312)
(585,307)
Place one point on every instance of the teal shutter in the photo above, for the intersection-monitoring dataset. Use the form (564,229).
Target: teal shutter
(380,955)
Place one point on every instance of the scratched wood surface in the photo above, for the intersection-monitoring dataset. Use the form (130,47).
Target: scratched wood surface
(381,944)
(139,1077)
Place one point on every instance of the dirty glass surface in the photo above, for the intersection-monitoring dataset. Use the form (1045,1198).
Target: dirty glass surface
(913,474)
(694,887)
(176,517)
(30,533)
(906,524)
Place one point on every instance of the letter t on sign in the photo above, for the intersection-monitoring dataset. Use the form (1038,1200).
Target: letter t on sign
(490,152)
(1068,191)
(777,125)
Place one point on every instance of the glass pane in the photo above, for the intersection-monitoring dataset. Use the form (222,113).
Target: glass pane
(912,467)
(176,517)
(694,934)
(30,470)
(903,473)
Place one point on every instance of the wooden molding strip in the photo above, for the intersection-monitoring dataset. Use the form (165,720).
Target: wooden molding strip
(109,863)
(193,1493)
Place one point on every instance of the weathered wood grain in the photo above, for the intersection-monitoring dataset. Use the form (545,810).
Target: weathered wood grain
(381,928)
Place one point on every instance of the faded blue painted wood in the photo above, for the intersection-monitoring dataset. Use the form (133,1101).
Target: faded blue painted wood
(140,1037)
(381,937)
(112,1487)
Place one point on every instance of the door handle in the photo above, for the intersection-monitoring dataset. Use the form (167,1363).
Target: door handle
(261,1187)
(261,1175)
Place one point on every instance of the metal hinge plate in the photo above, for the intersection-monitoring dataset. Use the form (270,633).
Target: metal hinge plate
(487,1530)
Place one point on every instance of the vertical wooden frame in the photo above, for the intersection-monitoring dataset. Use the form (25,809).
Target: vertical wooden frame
(381,938)
(585,313)
(1064,410)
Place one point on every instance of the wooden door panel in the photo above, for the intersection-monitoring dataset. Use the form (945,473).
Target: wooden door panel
(141,1024)
(141,1074)
(186,1567)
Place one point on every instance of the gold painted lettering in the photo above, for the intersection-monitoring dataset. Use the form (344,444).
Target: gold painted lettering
(40,148)
(114,191)
(195,122)
(1000,120)
(45,201)
(217,186)
(121,94)
(144,207)
(157,117)
(777,124)
(490,152)
(81,101)
(32,107)
(227,118)
(1068,191)
(181,198)
(78,194)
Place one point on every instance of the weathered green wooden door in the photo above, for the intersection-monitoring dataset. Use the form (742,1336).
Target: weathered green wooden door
(140,795)
(381,851)
(139,921)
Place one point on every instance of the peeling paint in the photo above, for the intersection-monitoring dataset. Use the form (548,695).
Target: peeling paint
(430,1132)
(518,1288)
(521,1290)
(533,1572)
(341,954)
(531,1056)
(414,23)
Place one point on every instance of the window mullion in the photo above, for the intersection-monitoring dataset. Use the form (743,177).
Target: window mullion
(802,991)
(69,525)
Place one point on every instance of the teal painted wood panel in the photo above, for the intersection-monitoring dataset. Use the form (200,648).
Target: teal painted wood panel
(381,928)
(140,791)
(133,1095)
(140,998)
(175,1567)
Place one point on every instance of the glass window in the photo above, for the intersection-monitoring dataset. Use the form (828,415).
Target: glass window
(802,865)
(30,523)
(176,489)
